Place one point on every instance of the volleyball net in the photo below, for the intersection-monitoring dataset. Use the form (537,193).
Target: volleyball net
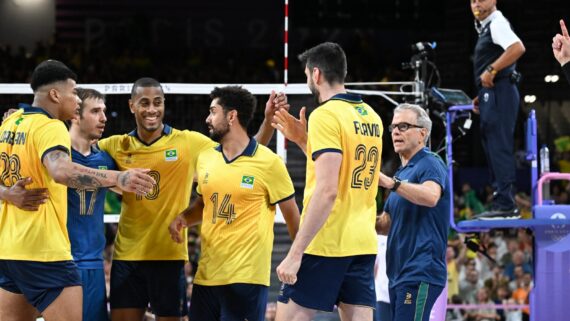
(187,106)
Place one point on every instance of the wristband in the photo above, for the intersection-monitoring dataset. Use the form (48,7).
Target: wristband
(397,183)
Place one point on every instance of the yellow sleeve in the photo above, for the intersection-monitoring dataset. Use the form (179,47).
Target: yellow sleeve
(52,136)
(324,133)
(198,143)
(106,145)
(279,184)
(199,184)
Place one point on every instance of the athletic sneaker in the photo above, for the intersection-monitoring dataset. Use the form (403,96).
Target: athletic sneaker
(497,214)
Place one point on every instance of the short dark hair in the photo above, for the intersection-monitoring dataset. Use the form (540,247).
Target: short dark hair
(145,82)
(329,58)
(86,93)
(49,72)
(236,98)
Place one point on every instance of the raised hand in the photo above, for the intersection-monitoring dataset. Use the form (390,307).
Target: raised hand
(276,101)
(561,45)
(292,128)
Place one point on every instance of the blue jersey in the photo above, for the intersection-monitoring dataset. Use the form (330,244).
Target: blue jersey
(417,240)
(85,214)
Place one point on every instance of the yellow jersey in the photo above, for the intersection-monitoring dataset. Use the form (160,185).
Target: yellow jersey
(26,137)
(143,227)
(239,210)
(345,124)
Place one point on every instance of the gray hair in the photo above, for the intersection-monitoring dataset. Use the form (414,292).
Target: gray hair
(421,115)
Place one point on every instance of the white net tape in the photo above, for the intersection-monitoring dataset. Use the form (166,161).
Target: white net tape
(205,89)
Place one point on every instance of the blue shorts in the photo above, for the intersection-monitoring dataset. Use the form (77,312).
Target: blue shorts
(94,295)
(232,302)
(413,301)
(323,282)
(135,284)
(39,282)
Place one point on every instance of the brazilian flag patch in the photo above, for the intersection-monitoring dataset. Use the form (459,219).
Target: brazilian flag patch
(361,110)
(247,181)
(170,155)
(102,167)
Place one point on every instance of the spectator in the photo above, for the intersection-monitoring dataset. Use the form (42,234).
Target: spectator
(517,278)
(518,260)
(512,246)
(455,314)
(452,272)
(468,287)
(484,313)
(520,295)
(504,297)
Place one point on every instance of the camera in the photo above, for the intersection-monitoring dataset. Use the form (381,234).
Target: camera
(422,51)
(423,46)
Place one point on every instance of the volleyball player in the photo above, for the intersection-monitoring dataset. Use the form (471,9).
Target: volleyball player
(37,273)
(239,185)
(148,268)
(85,222)
(331,261)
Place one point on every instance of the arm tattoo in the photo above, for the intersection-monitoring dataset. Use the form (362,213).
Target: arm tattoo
(57,154)
(82,181)
(79,178)
(86,177)
(124,178)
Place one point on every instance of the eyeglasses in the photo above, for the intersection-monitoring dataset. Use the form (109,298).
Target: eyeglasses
(402,127)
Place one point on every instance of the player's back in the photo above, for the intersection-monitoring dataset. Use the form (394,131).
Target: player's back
(346,125)
(25,138)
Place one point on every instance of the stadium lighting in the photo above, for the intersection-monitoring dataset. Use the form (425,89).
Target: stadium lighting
(551,78)
(27,3)
(529,99)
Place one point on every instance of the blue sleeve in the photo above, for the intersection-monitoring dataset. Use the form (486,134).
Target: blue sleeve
(433,170)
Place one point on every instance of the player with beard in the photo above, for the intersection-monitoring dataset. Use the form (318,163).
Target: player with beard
(85,223)
(331,261)
(239,184)
(148,268)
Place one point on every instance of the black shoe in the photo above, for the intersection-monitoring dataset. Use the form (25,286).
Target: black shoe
(496,214)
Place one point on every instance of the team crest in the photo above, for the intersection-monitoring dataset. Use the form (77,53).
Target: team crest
(247,181)
(361,110)
(170,155)
(408,299)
